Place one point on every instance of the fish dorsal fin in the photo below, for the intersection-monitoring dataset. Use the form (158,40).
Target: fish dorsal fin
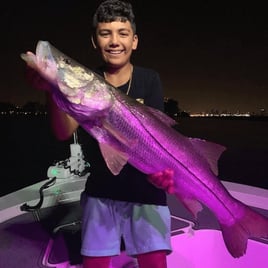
(164,118)
(210,150)
(114,159)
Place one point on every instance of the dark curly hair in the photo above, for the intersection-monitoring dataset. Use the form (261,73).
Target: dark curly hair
(114,10)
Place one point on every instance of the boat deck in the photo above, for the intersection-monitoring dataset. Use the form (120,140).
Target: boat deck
(50,237)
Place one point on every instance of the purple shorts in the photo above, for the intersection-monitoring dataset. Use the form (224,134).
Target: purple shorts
(144,228)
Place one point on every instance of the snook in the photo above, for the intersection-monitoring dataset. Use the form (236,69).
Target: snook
(128,131)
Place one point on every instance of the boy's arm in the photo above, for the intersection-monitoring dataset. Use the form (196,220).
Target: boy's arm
(62,124)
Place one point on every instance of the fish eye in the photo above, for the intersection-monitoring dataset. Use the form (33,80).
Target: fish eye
(67,61)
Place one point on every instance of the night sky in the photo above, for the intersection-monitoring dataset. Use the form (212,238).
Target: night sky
(209,56)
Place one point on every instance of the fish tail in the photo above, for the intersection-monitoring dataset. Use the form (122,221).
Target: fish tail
(251,225)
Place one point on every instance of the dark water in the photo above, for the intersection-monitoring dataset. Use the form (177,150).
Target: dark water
(246,158)
(28,148)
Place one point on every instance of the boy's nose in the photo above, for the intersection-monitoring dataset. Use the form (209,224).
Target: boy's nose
(114,39)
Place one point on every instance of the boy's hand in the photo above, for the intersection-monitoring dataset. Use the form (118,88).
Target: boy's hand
(163,180)
(32,73)
(36,80)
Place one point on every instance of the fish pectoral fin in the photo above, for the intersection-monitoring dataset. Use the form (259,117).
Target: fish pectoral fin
(210,150)
(116,134)
(114,159)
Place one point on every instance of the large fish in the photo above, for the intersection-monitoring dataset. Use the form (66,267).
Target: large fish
(128,131)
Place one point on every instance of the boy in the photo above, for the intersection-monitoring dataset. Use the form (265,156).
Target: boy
(116,200)
(126,207)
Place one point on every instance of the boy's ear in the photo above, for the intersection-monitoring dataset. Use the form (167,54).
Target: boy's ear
(93,41)
(135,42)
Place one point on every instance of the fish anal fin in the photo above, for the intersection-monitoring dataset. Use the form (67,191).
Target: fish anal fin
(191,204)
(210,150)
(114,159)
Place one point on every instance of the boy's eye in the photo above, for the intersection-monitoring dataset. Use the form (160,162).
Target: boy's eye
(124,34)
(104,34)
(107,34)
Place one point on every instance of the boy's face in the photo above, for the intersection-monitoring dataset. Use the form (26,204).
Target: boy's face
(116,40)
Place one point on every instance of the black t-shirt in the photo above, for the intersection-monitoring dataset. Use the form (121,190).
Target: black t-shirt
(130,185)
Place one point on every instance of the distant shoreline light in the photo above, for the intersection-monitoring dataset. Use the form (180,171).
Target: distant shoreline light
(204,115)
(220,115)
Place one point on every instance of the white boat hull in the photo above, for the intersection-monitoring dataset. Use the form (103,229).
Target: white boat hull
(202,247)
